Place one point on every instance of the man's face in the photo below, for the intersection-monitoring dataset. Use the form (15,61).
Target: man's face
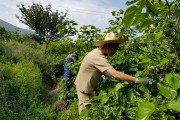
(112,48)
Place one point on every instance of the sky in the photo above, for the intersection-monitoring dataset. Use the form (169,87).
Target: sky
(84,12)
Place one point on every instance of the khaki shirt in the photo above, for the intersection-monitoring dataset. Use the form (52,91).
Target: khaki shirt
(91,69)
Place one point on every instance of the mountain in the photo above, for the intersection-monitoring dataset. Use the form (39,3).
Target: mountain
(11,27)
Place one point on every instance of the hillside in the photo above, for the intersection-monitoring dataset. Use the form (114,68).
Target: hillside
(11,27)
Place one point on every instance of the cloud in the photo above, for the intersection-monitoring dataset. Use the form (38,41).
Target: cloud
(8,10)
(84,12)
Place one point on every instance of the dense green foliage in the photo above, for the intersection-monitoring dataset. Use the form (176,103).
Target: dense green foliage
(152,26)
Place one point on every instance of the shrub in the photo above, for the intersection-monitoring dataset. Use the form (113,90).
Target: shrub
(27,74)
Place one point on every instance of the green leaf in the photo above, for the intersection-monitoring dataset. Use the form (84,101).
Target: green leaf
(60,28)
(133,69)
(145,60)
(117,28)
(159,35)
(141,3)
(121,11)
(145,25)
(119,86)
(174,105)
(145,110)
(162,107)
(130,94)
(104,99)
(113,13)
(96,98)
(164,61)
(139,18)
(115,80)
(166,91)
(143,88)
(139,73)
(74,24)
(177,13)
(111,91)
(173,80)
(129,16)
(131,2)
(111,22)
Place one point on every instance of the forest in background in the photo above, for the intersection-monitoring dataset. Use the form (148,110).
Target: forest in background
(31,65)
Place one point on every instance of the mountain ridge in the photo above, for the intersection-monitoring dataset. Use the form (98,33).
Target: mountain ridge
(11,27)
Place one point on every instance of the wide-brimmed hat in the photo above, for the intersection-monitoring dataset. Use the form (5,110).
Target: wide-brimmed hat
(110,38)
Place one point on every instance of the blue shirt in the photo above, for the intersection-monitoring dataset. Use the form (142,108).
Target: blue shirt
(67,73)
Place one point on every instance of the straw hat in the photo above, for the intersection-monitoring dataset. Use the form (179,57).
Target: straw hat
(110,38)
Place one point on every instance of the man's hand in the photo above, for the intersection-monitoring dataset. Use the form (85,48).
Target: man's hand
(145,82)
(137,81)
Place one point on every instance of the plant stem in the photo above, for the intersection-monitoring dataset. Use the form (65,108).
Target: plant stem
(169,8)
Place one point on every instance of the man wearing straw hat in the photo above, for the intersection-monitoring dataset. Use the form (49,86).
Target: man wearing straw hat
(94,65)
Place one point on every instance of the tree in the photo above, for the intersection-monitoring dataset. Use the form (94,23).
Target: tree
(44,22)
(88,33)
(2,30)
(149,16)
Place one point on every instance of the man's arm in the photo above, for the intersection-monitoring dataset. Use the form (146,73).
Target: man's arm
(122,76)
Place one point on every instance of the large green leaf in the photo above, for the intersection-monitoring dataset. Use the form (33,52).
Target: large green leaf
(174,105)
(166,91)
(145,110)
(129,16)
(144,25)
(173,80)
(151,7)
(139,18)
